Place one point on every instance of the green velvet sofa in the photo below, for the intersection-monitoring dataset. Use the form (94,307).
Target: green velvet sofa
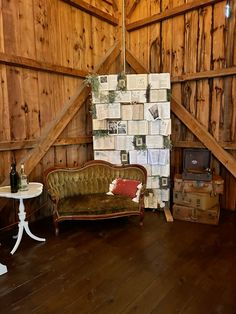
(81,193)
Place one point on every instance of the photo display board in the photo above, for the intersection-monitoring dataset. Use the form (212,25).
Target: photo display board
(132,125)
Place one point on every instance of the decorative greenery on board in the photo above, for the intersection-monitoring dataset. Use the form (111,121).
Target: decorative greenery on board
(168,94)
(167,142)
(111,96)
(148,92)
(93,81)
(100,133)
(93,111)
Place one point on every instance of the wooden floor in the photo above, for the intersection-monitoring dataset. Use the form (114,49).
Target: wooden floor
(114,267)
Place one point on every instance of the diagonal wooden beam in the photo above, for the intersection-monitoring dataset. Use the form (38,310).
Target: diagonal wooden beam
(70,109)
(115,5)
(180,10)
(134,63)
(108,59)
(50,135)
(131,7)
(93,11)
(62,119)
(197,129)
(108,1)
(204,136)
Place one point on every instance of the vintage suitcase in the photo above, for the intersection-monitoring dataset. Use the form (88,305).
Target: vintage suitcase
(215,186)
(209,216)
(196,165)
(197,200)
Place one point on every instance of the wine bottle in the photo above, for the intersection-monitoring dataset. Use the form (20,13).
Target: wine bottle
(23,180)
(14,178)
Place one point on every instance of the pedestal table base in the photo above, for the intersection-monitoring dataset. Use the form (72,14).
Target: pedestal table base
(23,225)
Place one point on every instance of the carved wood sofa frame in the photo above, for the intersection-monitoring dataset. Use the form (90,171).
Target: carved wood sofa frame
(80,193)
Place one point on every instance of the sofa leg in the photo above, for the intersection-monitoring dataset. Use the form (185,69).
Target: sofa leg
(56,231)
(56,227)
(141,219)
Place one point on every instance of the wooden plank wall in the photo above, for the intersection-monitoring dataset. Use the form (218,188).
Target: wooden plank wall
(198,40)
(57,35)
(48,46)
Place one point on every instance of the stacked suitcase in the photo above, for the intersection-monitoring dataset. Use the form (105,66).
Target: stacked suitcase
(196,190)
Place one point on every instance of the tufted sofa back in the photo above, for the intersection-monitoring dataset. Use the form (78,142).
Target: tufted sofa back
(93,177)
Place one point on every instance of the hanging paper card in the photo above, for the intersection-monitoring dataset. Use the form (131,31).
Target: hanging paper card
(104,142)
(165,127)
(138,157)
(108,111)
(157,95)
(99,124)
(164,110)
(137,127)
(138,96)
(154,141)
(164,80)
(123,96)
(123,142)
(137,81)
(154,127)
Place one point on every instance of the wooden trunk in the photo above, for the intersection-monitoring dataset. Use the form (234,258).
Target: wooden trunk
(215,186)
(208,216)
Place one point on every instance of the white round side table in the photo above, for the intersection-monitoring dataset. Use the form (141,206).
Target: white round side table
(35,189)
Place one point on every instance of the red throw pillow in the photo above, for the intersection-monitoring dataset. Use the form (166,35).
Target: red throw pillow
(126,187)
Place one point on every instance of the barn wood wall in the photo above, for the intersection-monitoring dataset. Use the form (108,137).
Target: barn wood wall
(61,37)
(199,40)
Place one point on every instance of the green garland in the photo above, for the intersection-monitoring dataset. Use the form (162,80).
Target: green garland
(111,96)
(93,111)
(93,81)
(100,133)
(168,94)
(167,142)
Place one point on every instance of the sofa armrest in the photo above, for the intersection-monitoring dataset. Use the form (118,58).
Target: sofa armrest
(54,196)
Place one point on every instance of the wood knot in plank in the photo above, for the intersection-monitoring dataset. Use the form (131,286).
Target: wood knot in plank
(25,108)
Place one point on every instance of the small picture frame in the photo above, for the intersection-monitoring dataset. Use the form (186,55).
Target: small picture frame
(122,84)
(103,79)
(124,156)
(139,141)
(164,182)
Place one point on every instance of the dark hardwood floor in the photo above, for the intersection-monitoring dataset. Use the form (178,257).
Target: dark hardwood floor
(113,266)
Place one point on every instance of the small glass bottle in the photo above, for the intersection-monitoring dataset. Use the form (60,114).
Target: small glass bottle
(14,178)
(23,184)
